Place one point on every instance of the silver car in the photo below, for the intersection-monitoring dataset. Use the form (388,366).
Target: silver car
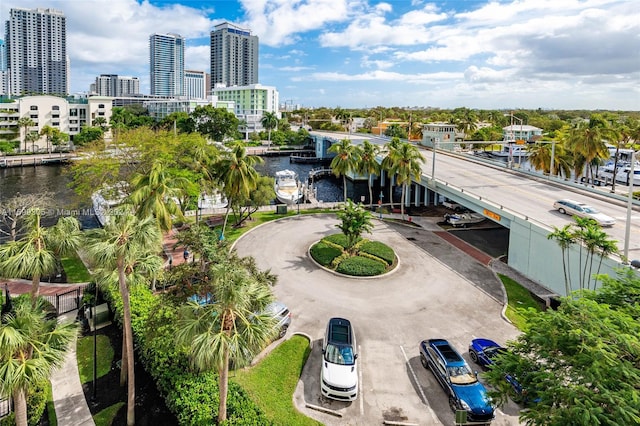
(576,208)
(279,311)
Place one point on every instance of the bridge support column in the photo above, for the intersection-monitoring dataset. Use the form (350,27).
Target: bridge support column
(416,195)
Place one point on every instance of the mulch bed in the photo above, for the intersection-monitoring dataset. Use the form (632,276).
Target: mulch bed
(150,407)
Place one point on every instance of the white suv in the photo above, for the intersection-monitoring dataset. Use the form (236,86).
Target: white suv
(339,373)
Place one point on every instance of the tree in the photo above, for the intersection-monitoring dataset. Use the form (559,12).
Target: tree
(579,363)
(100,122)
(388,164)
(48,131)
(32,347)
(25,122)
(269,121)
(215,123)
(355,221)
(156,194)
(14,212)
(407,166)
(368,164)
(345,161)
(587,140)
(262,195)
(236,170)
(565,239)
(87,135)
(232,328)
(36,254)
(124,242)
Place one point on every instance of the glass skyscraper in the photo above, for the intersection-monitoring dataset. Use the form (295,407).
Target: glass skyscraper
(234,56)
(166,62)
(36,43)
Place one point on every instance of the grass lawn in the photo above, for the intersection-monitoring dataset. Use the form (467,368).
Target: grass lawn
(518,298)
(106,416)
(75,269)
(51,409)
(272,382)
(84,353)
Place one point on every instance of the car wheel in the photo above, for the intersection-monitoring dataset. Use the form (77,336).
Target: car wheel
(283,331)
(561,210)
(424,362)
(474,356)
(453,404)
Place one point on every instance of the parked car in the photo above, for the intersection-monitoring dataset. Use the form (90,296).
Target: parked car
(576,208)
(280,311)
(339,372)
(483,353)
(456,378)
(456,207)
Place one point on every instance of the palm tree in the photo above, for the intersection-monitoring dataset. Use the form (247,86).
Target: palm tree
(388,165)
(48,131)
(237,173)
(229,328)
(269,121)
(565,238)
(368,164)
(100,122)
(32,347)
(125,240)
(35,255)
(407,165)
(156,194)
(25,123)
(345,161)
(587,140)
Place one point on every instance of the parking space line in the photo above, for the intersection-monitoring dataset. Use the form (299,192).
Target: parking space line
(415,378)
(360,384)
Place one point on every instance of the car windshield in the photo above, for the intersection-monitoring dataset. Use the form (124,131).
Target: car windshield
(461,375)
(492,351)
(339,354)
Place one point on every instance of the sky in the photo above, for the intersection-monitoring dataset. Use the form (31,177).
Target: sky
(549,54)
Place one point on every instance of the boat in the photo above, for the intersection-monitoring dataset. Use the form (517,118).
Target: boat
(463,219)
(106,201)
(609,172)
(216,200)
(287,187)
(511,150)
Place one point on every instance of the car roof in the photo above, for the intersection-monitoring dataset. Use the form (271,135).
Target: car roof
(339,331)
(485,343)
(451,356)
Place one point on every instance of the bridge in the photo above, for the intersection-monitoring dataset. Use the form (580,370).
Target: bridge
(522,201)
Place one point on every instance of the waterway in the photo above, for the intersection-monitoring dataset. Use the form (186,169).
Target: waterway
(55,180)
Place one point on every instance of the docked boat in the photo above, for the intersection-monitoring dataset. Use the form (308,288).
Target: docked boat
(463,219)
(287,187)
(621,174)
(511,150)
(106,201)
(216,200)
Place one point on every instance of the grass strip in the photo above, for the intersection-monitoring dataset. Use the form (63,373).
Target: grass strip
(75,269)
(271,382)
(106,416)
(519,298)
(84,354)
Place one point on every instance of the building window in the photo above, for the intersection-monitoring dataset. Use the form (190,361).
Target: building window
(34,108)
(55,108)
(100,105)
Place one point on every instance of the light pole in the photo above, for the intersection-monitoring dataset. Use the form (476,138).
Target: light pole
(627,229)
(436,141)
(95,345)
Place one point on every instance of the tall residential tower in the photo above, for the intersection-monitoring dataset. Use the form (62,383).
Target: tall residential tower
(234,56)
(37,52)
(166,61)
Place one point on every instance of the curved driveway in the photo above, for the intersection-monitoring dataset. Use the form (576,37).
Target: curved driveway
(422,298)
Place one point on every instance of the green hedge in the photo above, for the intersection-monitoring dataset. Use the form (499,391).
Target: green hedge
(192,397)
(379,250)
(339,239)
(324,253)
(361,267)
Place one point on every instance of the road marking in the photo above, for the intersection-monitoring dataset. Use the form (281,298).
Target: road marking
(360,385)
(415,379)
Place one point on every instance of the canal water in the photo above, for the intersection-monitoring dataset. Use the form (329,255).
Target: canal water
(55,180)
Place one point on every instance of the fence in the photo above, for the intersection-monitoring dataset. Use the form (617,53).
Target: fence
(5,407)
(67,301)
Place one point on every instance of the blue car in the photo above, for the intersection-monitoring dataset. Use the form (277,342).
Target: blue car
(483,353)
(456,378)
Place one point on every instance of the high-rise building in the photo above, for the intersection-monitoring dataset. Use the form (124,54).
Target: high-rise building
(195,84)
(37,52)
(166,61)
(234,56)
(3,56)
(115,85)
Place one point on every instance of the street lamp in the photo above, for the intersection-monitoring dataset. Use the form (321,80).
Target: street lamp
(627,229)
(436,142)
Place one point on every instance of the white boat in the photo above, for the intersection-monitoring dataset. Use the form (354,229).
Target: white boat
(216,200)
(287,187)
(106,201)
(463,219)
(607,173)
(511,150)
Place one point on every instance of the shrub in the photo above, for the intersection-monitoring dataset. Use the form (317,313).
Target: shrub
(379,250)
(324,253)
(339,239)
(360,267)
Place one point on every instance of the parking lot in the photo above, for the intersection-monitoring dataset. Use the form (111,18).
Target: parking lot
(422,298)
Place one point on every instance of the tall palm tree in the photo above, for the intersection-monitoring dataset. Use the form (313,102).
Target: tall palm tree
(229,328)
(345,161)
(237,173)
(25,123)
(388,166)
(35,255)
(407,165)
(31,348)
(368,164)
(565,237)
(117,247)
(269,121)
(48,131)
(587,140)
(156,194)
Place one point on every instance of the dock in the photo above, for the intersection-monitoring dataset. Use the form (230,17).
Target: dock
(34,160)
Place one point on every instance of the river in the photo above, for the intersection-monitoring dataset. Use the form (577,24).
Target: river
(55,180)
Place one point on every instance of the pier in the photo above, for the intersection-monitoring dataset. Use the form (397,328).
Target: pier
(35,160)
